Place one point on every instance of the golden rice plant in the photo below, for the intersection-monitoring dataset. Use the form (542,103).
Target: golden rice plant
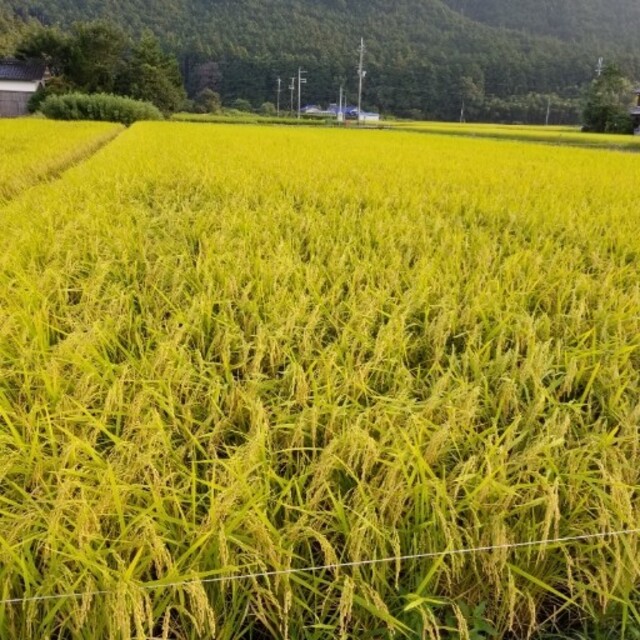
(557,135)
(33,149)
(241,350)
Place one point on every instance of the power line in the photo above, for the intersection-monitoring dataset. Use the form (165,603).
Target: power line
(339,565)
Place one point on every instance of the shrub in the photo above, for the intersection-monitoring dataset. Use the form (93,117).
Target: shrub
(268,109)
(56,86)
(99,106)
(241,105)
(207,101)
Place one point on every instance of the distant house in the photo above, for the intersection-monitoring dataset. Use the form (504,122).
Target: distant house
(19,80)
(347,112)
(635,114)
(351,113)
(367,116)
(312,110)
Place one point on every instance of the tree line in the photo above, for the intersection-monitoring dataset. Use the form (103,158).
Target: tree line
(442,68)
(98,57)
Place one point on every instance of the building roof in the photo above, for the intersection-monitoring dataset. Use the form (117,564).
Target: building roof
(22,70)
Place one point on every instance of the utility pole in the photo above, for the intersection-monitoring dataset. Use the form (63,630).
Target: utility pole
(548,111)
(340,111)
(301,81)
(600,67)
(462,112)
(361,74)
(292,88)
(278,99)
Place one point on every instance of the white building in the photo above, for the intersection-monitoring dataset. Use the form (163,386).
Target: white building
(365,116)
(19,80)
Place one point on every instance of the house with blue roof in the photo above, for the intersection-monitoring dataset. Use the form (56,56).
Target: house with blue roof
(351,112)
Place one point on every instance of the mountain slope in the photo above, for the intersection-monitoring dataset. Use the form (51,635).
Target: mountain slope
(610,21)
(610,24)
(421,53)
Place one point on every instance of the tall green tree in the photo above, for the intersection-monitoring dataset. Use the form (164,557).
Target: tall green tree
(607,103)
(49,44)
(11,31)
(96,56)
(89,58)
(151,74)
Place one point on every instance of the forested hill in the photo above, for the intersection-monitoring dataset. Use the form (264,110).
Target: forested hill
(607,23)
(423,56)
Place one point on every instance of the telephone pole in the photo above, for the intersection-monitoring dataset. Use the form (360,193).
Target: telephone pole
(278,99)
(301,81)
(292,88)
(547,119)
(361,74)
(340,111)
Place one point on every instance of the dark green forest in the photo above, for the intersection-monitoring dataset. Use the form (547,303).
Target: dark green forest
(612,25)
(506,60)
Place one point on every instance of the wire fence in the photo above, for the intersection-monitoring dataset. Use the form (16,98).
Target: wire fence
(329,567)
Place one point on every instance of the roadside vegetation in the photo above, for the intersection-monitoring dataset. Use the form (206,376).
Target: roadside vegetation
(234,350)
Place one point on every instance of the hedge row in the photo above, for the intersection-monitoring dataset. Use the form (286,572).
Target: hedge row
(98,106)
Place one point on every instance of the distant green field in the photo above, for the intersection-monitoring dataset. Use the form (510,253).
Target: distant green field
(479,126)
(571,136)
(249,118)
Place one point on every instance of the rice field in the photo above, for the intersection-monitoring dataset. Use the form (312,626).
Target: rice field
(31,149)
(228,351)
(483,126)
(558,135)
(252,118)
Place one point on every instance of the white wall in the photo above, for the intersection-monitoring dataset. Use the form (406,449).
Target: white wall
(19,87)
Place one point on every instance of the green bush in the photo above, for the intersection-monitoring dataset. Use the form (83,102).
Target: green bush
(98,106)
(241,105)
(268,109)
(207,101)
(56,86)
